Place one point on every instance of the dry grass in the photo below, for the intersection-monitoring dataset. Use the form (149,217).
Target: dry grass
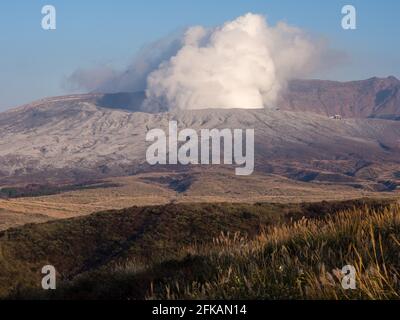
(209,187)
(225,251)
(301,261)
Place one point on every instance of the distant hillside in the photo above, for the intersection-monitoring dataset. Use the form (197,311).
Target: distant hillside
(372,98)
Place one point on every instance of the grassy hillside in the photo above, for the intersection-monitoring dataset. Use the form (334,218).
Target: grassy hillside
(208,251)
(38,190)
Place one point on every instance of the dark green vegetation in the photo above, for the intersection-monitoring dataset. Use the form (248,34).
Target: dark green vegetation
(38,190)
(209,251)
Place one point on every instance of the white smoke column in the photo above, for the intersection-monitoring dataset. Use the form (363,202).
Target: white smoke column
(243,64)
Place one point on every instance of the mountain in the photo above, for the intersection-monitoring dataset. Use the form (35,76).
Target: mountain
(372,98)
(80,137)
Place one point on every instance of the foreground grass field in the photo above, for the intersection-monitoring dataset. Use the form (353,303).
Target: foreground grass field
(210,251)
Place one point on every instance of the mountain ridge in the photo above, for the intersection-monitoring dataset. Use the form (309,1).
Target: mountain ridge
(373,98)
(300,95)
(99,135)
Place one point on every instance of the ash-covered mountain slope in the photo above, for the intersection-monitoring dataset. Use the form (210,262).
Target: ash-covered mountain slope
(82,136)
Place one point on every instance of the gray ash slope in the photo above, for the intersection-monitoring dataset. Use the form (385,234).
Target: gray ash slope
(98,135)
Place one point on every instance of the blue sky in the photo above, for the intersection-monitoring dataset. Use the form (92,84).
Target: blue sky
(35,62)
